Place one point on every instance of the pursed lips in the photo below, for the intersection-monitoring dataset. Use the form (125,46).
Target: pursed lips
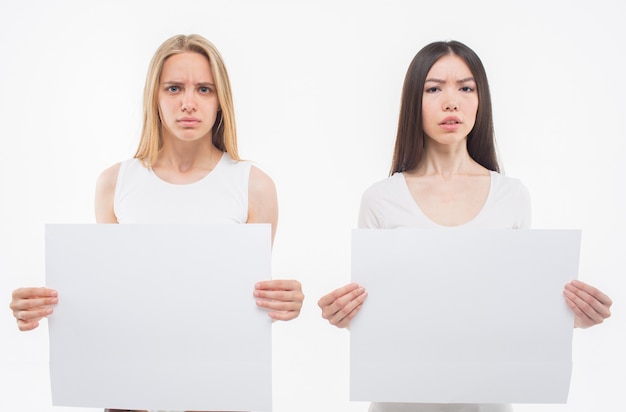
(188,121)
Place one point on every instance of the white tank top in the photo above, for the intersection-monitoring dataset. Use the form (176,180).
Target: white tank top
(219,197)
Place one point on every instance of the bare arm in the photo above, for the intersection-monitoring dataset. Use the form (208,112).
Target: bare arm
(30,305)
(262,199)
(105,192)
(283,298)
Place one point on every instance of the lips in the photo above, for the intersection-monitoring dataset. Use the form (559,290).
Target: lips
(450,124)
(188,121)
(452,120)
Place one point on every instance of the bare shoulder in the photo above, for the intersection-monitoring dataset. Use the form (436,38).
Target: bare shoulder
(260,181)
(105,193)
(262,199)
(108,177)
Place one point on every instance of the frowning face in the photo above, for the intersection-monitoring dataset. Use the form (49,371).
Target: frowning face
(450,102)
(187,99)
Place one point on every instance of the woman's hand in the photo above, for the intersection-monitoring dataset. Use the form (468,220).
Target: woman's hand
(341,305)
(590,306)
(30,305)
(283,298)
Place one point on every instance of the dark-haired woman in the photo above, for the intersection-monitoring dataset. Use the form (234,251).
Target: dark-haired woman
(445,173)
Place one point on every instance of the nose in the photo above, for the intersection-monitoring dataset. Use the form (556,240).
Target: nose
(450,106)
(187,103)
(450,102)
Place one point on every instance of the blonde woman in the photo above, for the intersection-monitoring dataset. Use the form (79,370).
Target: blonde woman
(186,169)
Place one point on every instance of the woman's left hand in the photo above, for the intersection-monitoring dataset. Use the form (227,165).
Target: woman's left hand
(283,298)
(590,306)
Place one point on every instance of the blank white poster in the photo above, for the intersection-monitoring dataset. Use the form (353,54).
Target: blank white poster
(463,316)
(159,316)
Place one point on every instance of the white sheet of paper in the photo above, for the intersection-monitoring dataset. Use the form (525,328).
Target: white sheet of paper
(463,316)
(159,316)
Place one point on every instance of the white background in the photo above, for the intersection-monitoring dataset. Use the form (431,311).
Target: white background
(316,88)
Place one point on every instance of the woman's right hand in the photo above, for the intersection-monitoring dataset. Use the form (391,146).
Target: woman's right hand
(30,305)
(341,305)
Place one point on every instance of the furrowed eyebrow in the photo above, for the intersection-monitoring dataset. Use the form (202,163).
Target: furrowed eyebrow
(467,79)
(181,83)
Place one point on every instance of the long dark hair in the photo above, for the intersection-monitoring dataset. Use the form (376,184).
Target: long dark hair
(409,148)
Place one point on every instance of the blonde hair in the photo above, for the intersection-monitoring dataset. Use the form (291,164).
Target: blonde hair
(224,131)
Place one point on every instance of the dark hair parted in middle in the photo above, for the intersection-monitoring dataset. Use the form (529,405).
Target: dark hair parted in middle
(409,149)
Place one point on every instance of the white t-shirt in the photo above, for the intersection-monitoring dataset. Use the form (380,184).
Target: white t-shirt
(388,204)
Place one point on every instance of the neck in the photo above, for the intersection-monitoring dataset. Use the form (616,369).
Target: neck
(185,156)
(447,161)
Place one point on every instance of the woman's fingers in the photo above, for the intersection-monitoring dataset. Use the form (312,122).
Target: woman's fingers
(590,305)
(283,298)
(30,305)
(341,305)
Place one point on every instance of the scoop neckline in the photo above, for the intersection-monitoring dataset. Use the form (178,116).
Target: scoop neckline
(206,176)
(439,225)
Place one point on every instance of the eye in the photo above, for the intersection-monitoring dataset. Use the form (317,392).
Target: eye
(204,90)
(467,89)
(173,89)
(431,89)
